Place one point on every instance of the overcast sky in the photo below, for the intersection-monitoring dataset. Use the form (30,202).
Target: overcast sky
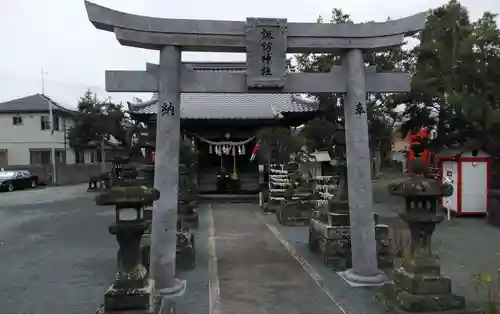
(56,36)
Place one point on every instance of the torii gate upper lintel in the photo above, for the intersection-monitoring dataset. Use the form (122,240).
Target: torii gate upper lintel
(229,36)
(266,42)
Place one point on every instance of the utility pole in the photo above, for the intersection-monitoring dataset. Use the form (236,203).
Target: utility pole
(52,143)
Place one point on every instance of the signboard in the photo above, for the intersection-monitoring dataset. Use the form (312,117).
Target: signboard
(266,44)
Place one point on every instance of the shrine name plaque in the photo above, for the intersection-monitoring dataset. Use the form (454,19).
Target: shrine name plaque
(266,44)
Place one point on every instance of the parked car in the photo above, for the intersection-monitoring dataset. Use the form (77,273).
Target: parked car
(17,179)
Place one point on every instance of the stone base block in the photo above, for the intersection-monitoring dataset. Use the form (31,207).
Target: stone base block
(418,284)
(289,215)
(392,308)
(100,310)
(395,297)
(333,245)
(128,299)
(335,253)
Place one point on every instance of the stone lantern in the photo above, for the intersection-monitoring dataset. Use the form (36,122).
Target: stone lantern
(132,290)
(340,204)
(418,284)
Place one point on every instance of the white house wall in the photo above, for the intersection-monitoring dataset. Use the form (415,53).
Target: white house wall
(19,139)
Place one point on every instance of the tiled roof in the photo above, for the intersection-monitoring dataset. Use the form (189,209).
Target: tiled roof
(33,103)
(232,106)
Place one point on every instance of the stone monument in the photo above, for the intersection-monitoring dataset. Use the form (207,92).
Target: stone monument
(266,42)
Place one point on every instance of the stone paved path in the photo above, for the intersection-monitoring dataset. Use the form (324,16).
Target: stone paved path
(256,273)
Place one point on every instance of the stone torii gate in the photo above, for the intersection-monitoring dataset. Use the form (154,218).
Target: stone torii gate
(265,42)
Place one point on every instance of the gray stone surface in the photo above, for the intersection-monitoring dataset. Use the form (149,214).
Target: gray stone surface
(364,255)
(164,225)
(210,35)
(227,82)
(256,273)
(266,44)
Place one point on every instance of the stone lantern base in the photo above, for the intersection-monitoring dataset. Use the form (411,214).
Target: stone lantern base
(410,293)
(420,292)
(128,299)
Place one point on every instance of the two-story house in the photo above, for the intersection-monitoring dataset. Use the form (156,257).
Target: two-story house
(25,132)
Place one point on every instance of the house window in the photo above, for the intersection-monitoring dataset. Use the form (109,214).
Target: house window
(79,157)
(40,157)
(45,123)
(17,120)
(56,123)
(96,156)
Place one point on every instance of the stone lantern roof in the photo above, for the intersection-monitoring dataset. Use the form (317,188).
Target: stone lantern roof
(128,196)
(418,186)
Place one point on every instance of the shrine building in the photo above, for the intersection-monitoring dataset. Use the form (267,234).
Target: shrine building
(224,127)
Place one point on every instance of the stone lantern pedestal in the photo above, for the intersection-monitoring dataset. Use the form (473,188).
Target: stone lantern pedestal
(330,230)
(298,204)
(418,284)
(132,289)
(330,238)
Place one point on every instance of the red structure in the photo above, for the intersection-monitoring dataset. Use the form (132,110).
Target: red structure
(426,156)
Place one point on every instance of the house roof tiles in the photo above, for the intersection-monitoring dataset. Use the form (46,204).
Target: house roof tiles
(232,106)
(32,103)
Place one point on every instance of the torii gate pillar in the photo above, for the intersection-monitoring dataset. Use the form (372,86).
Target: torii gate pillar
(266,42)
(364,269)
(166,180)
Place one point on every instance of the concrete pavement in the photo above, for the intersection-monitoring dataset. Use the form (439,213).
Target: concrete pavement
(57,257)
(256,272)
